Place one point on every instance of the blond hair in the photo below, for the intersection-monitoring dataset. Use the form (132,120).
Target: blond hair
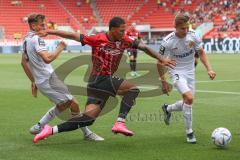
(181,19)
(35,18)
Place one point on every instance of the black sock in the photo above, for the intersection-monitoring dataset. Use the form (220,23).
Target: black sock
(76,122)
(128,101)
(133,65)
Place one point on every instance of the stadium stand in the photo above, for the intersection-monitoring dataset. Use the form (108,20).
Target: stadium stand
(161,16)
(82,15)
(14,17)
(81,10)
(224,14)
(123,8)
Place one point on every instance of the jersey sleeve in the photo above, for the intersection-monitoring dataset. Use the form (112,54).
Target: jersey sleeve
(90,40)
(39,44)
(197,41)
(164,50)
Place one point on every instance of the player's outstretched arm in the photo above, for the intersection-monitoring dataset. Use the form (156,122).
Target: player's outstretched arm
(48,58)
(163,61)
(69,35)
(204,59)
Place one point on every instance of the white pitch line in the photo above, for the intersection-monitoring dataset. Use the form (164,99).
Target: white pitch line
(218,92)
(215,81)
(200,91)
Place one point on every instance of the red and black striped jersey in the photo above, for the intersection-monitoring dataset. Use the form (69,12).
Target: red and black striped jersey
(106,55)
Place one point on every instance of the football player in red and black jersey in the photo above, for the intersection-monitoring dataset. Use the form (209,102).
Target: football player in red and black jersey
(133,33)
(107,50)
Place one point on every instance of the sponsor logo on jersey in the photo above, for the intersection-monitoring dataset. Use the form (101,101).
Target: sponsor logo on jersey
(184,54)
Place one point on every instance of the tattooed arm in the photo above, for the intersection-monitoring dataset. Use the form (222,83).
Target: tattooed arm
(163,61)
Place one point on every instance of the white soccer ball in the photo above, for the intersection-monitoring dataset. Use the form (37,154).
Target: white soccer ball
(221,136)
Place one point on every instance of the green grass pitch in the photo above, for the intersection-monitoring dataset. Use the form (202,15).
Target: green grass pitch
(216,105)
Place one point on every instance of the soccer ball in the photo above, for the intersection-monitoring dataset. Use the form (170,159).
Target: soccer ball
(221,137)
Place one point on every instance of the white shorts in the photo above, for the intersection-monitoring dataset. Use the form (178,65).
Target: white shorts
(55,90)
(184,82)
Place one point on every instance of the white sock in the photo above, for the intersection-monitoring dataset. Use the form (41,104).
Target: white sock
(187,114)
(55,130)
(119,119)
(86,131)
(50,115)
(178,106)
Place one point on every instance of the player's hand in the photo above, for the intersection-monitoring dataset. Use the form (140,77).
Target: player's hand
(42,33)
(34,90)
(168,62)
(211,74)
(165,87)
(61,45)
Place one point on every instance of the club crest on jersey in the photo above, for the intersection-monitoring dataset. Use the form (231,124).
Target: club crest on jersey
(190,44)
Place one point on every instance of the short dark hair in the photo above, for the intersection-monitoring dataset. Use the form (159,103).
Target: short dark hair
(35,17)
(181,18)
(116,22)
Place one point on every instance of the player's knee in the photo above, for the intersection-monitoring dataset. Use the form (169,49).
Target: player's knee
(74,107)
(74,102)
(82,120)
(134,91)
(130,96)
(63,106)
(189,100)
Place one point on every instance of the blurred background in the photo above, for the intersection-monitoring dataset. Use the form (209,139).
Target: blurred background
(215,21)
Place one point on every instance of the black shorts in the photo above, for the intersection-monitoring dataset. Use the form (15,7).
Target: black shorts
(132,52)
(101,87)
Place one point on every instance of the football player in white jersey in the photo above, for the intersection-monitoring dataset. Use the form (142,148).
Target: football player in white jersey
(36,64)
(181,46)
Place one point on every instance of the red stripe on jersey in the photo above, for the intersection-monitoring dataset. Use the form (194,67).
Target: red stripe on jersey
(106,55)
